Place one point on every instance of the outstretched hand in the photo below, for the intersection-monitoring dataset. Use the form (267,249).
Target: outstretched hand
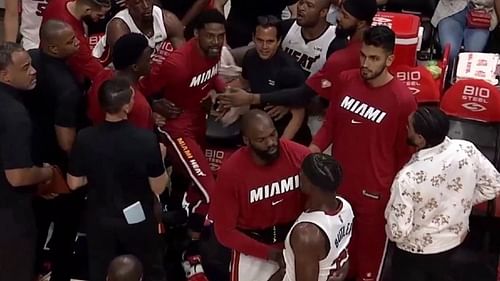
(234,97)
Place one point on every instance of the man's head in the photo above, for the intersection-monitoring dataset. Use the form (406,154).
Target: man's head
(260,135)
(267,37)
(141,10)
(15,67)
(427,127)
(58,39)
(377,51)
(311,12)
(94,10)
(320,175)
(125,268)
(116,97)
(211,31)
(355,15)
(132,53)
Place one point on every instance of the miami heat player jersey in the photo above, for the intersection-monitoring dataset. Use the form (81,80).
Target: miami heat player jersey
(311,55)
(158,41)
(338,229)
(31,19)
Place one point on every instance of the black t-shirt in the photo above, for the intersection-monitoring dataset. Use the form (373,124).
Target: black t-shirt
(15,146)
(58,100)
(279,72)
(117,159)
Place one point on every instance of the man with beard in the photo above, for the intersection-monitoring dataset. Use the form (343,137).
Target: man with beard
(310,39)
(142,17)
(354,19)
(258,199)
(186,78)
(75,13)
(366,122)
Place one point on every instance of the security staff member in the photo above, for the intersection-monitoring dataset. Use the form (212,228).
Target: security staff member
(18,174)
(123,168)
(57,110)
(268,68)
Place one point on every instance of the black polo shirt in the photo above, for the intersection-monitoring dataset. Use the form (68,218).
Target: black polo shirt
(15,146)
(58,99)
(117,159)
(281,71)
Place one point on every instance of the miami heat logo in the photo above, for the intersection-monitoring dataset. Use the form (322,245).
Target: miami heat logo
(161,52)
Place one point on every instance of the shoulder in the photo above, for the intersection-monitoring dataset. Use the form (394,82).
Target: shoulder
(307,235)
(295,150)
(232,166)
(250,55)
(286,59)
(403,94)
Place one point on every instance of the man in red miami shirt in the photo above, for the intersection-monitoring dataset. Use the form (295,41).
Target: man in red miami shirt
(366,122)
(258,199)
(131,58)
(74,12)
(186,78)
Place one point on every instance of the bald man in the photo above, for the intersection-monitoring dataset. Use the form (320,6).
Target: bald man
(57,115)
(125,268)
(257,198)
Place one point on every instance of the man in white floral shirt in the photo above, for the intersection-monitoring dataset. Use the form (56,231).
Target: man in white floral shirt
(432,197)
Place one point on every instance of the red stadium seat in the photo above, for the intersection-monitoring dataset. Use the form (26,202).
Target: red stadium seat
(420,81)
(474,108)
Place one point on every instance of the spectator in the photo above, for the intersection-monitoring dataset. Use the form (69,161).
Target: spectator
(123,168)
(450,18)
(432,198)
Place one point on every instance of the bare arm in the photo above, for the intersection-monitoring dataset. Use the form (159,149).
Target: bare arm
(28,176)
(76,182)
(194,11)
(295,123)
(308,245)
(11,20)
(65,138)
(219,5)
(175,29)
(115,30)
(158,184)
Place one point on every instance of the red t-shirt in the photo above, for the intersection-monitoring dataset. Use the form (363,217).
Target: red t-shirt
(368,129)
(185,77)
(82,63)
(140,116)
(341,60)
(253,197)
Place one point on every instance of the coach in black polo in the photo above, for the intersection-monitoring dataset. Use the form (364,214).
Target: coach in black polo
(18,174)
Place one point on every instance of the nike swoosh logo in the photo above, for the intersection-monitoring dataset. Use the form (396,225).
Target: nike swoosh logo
(204,86)
(276,202)
(355,122)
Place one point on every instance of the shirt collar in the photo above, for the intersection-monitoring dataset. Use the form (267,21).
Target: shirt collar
(427,152)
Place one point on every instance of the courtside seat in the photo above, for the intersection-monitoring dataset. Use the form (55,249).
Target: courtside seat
(420,82)
(474,110)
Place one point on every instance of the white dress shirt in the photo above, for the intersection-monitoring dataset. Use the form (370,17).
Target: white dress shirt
(432,196)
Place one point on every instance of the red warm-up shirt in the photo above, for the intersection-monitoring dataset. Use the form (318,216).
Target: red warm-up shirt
(344,59)
(185,77)
(253,197)
(82,63)
(140,116)
(368,129)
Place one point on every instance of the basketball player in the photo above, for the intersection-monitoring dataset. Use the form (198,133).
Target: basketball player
(366,123)
(29,13)
(310,37)
(257,198)
(354,19)
(316,247)
(73,12)
(131,58)
(185,78)
(142,17)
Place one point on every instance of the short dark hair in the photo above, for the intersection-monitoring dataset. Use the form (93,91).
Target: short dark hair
(209,16)
(6,51)
(432,124)
(270,21)
(323,171)
(128,49)
(380,36)
(114,94)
